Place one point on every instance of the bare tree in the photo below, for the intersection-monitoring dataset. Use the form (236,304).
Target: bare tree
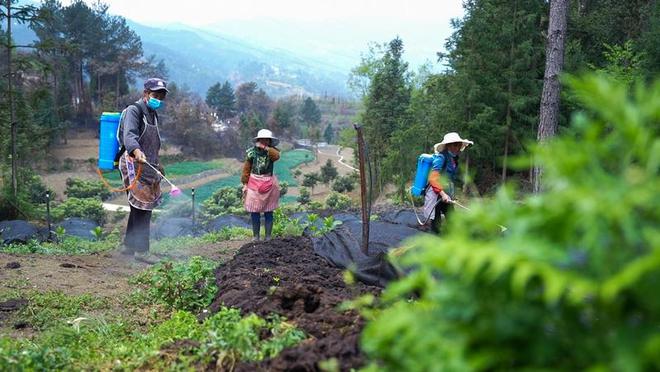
(554,62)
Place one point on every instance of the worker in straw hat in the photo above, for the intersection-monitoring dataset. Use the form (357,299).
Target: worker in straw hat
(442,178)
(261,191)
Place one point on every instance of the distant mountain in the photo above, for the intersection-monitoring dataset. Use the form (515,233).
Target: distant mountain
(200,58)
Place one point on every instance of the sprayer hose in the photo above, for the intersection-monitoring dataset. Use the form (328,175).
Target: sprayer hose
(419,221)
(129,187)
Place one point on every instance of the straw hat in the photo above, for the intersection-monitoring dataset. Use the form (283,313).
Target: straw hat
(451,137)
(265,133)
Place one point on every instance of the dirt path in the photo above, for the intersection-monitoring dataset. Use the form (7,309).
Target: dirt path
(339,160)
(104,274)
(341,153)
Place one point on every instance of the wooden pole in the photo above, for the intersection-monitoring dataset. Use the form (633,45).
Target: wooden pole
(363,191)
(12,114)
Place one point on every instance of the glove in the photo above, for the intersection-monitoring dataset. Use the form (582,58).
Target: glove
(445,197)
(139,156)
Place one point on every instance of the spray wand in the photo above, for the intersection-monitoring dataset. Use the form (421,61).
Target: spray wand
(175,191)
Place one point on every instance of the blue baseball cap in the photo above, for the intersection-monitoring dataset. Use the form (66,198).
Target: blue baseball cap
(155,84)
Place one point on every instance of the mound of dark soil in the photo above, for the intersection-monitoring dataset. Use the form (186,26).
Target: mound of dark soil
(286,277)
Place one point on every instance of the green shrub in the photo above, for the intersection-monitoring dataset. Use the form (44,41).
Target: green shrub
(84,208)
(311,180)
(304,197)
(79,188)
(226,200)
(182,285)
(336,201)
(283,225)
(328,172)
(284,188)
(31,195)
(570,285)
(344,184)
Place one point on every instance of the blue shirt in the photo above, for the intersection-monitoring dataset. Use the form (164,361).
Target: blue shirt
(449,170)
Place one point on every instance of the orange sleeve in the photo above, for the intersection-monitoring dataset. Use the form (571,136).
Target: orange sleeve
(434,181)
(247,168)
(273,154)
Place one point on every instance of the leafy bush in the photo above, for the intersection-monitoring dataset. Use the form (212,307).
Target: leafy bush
(284,188)
(344,184)
(304,197)
(328,172)
(182,285)
(79,188)
(311,180)
(226,200)
(84,208)
(570,285)
(31,195)
(283,225)
(336,201)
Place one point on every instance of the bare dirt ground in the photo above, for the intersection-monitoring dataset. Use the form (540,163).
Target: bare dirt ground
(104,274)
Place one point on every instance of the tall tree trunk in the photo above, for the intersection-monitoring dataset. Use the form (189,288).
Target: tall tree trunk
(554,62)
(12,114)
(509,95)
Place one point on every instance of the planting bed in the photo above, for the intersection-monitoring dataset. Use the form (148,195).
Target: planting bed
(286,277)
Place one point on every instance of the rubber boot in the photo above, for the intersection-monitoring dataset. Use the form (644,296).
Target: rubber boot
(269,229)
(256,226)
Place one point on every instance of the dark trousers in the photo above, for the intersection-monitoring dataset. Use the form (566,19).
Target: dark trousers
(137,230)
(440,208)
(256,223)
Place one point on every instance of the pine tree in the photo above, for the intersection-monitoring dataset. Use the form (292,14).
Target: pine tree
(310,113)
(329,134)
(386,109)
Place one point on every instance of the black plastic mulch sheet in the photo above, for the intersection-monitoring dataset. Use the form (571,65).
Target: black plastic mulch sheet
(17,231)
(79,227)
(342,248)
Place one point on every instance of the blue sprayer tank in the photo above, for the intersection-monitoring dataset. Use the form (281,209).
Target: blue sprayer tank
(424,163)
(108,144)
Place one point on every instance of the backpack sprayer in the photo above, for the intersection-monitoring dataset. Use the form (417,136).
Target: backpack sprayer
(109,149)
(424,164)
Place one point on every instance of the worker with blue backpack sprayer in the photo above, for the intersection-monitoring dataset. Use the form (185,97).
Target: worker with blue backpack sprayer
(436,178)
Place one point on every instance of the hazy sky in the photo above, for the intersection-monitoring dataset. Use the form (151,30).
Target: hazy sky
(340,28)
(200,12)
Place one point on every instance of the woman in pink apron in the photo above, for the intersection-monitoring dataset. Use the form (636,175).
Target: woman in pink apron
(261,190)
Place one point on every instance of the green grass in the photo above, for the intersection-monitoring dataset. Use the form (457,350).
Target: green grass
(288,199)
(188,168)
(288,162)
(174,170)
(68,245)
(138,330)
(76,246)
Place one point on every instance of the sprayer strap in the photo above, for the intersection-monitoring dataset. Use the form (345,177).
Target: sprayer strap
(129,187)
